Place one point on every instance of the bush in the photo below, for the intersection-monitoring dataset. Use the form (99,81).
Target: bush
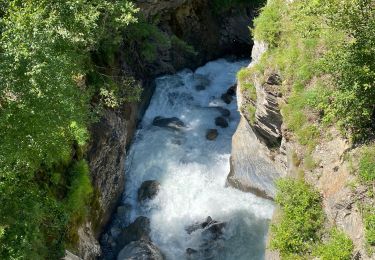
(338,247)
(268,25)
(301,218)
(367,165)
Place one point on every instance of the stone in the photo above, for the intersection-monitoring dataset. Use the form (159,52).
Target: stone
(171,122)
(227,98)
(212,134)
(232,90)
(223,111)
(221,121)
(199,225)
(148,190)
(140,250)
(138,230)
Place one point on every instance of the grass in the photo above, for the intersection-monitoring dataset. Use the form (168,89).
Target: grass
(301,218)
(338,247)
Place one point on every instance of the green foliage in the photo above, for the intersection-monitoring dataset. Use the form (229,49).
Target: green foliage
(367,165)
(323,45)
(369,220)
(78,197)
(338,247)
(46,50)
(268,25)
(223,5)
(301,218)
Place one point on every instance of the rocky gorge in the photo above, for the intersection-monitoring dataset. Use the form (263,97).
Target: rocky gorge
(262,149)
(212,34)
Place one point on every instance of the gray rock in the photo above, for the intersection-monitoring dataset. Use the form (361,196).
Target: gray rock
(212,134)
(172,122)
(221,121)
(138,230)
(140,250)
(148,190)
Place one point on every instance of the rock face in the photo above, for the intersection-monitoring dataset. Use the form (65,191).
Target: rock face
(140,250)
(148,190)
(268,119)
(251,170)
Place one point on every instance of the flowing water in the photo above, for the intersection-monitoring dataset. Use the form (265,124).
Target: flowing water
(192,170)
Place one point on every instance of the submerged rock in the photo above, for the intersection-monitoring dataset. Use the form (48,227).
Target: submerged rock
(148,190)
(202,82)
(221,121)
(212,134)
(223,111)
(171,122)
(227,98)
(140,250)
(232,90)
(212,239)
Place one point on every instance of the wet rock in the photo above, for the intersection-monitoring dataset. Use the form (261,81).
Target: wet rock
(221,121)
(171,122)
(148,190)
(232,90)
(140,250)
(191,251)
(190,229)
(212,237)
(200,87)
(227,98)
(212,134)
(223,111)
(138,230)
(214,230)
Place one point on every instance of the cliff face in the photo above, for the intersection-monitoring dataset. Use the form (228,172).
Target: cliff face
(332,174)
(212,35)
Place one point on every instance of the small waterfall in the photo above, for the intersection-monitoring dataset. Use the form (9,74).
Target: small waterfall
(192,170)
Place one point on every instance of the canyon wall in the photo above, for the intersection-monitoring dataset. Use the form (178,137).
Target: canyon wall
(331,177)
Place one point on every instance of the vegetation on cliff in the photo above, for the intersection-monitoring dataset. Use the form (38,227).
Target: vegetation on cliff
(47,80)
(324,52)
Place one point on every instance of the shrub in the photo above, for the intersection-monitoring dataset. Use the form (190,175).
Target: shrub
(367,165)
(338,247)
(301,218)
(267,26)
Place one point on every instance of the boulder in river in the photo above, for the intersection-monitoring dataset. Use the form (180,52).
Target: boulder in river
(140,250)
(227,98)
(212,134)
(202,82)
(148,190)
(212,239)
(232,90)
(168,122)
(221,121)
(138,230)
(223,111)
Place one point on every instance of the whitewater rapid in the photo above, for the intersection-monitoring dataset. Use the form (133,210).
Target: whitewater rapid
(192,170)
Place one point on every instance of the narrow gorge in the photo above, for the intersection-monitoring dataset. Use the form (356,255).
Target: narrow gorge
(187,129)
